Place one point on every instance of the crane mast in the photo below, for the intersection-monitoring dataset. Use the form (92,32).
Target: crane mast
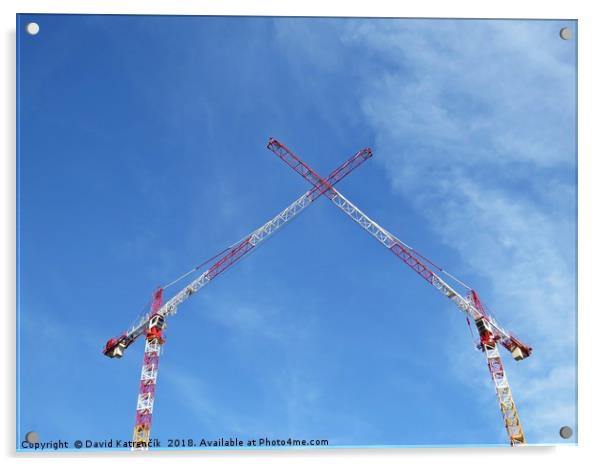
(490,332)
(148,377)
(153,323)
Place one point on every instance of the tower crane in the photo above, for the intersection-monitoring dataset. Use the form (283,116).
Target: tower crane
(491,333)
(152,323)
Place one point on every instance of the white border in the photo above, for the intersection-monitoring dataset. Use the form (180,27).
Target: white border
(589,226)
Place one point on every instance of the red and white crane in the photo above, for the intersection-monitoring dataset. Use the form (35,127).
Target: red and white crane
(491,333)
(153,322)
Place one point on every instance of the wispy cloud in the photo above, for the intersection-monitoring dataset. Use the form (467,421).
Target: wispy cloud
(252,323)
(194,395)
(475,126)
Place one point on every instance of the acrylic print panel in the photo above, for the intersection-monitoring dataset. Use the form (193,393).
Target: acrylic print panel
(144,185)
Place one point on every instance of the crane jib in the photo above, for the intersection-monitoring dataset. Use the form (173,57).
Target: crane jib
(473,308)
(116,346)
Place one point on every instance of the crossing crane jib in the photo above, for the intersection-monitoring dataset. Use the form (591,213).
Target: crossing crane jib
(490,332)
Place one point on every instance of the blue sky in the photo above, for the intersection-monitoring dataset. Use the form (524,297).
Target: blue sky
(142,153)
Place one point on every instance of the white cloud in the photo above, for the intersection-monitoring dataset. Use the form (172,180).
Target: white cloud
(474,125)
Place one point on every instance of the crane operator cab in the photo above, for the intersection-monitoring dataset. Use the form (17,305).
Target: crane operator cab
(156,324)
(485,332)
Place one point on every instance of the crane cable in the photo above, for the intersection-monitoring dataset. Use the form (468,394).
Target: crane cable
(181,277)
(144,310)
(142,313)
(474,340)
